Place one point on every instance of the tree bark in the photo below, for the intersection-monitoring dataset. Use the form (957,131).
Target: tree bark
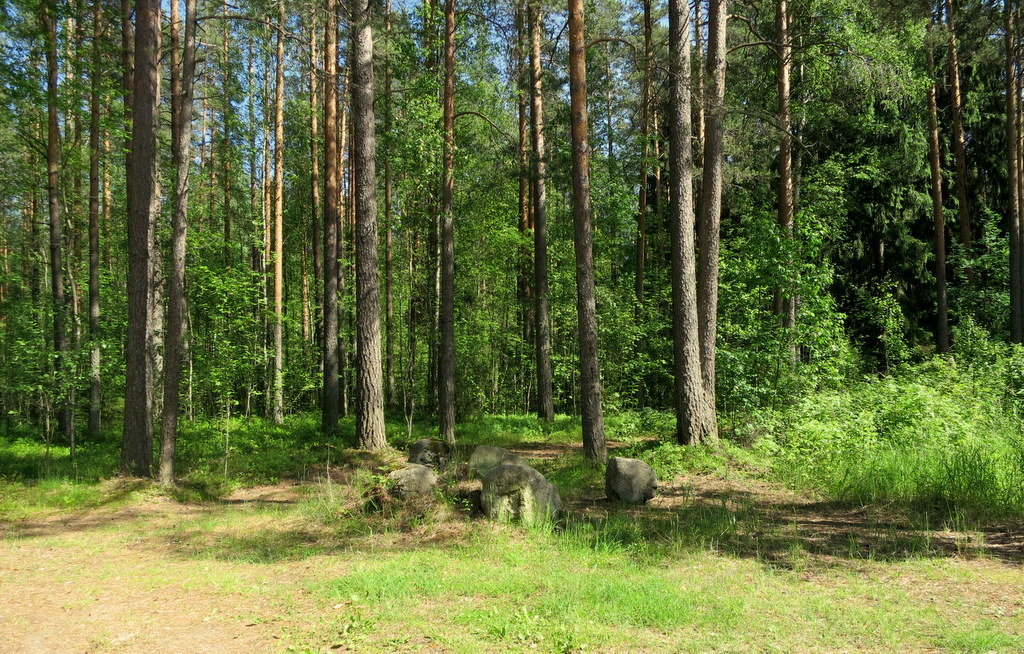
(182,93)
(959,147)
(786,295)
(711,193)
(95,398)
(369,376)
(65,417)
(1013,180)
(594,448)
(645,119)
(389,310)
(938,219)
(278,410)
(329,398)
(446,362)
(137,452)
(314,175)
(542,330)
(695,420)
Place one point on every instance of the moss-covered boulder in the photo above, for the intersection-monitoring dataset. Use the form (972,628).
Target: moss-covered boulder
(630,481)
(518,493)
(412,480)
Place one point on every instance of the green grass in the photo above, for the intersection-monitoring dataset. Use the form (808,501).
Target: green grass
(330,571)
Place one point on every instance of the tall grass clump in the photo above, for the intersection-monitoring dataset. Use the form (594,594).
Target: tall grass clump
(941,437)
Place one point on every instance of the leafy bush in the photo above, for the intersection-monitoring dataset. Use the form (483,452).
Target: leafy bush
(942,436)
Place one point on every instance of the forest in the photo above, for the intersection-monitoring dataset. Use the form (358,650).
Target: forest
(510,325)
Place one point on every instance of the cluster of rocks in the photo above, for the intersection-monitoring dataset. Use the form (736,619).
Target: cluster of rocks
(512,490)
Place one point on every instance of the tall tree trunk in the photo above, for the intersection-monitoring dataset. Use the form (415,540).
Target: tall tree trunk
(935,166)
(542,330)
(959,147)
(183,65)
(65,416)
(594,448)
(278,410)
(1013,181)
(369,381)
(695,420)
(784,68)
(314,173)
(329,399)
(95,398)
(645,119)
(446,362)
(711,193)
(225,72)
(137,452)
(389,311)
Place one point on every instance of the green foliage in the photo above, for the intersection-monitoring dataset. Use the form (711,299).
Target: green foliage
(940,437)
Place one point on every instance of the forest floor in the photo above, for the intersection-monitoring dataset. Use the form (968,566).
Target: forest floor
(721,561)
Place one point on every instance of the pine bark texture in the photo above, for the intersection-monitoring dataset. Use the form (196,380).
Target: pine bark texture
(278,323)
(137,449)
(446,361)
(182,92)
(330,395)
(694,416)
(594,448)
(542,329)
(369,376)
(709,220)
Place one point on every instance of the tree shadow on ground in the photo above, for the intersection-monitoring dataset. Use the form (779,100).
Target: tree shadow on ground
(781,528)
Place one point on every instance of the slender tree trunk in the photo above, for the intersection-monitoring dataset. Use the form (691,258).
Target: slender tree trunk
(711,193)
(786,295)
(314,174)
(226,134)
(695,420)
(594,448)
(935,166)
(959,147)
(524,290)
(645,119)
(95,398)
(137,453)
(329,399)
(65,423)
(389,311)
(545,402)
(182,92)
(369,381)
(446,362)
(278,411)
(1013,181)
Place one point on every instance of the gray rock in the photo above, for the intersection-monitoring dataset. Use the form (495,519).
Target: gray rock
(485,457)
(630,481)
(518,493)
(431,452)
(412,480)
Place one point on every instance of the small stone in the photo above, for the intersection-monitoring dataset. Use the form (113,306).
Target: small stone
(431,452)
(415,479)
(518,493)
(630,481)
(485,457)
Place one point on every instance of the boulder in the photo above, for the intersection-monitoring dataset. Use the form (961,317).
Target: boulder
(518,493)
(485,457)
(412,480)
(431,452)
(630,481)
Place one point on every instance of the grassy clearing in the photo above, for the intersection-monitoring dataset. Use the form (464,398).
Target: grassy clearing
(896,537)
